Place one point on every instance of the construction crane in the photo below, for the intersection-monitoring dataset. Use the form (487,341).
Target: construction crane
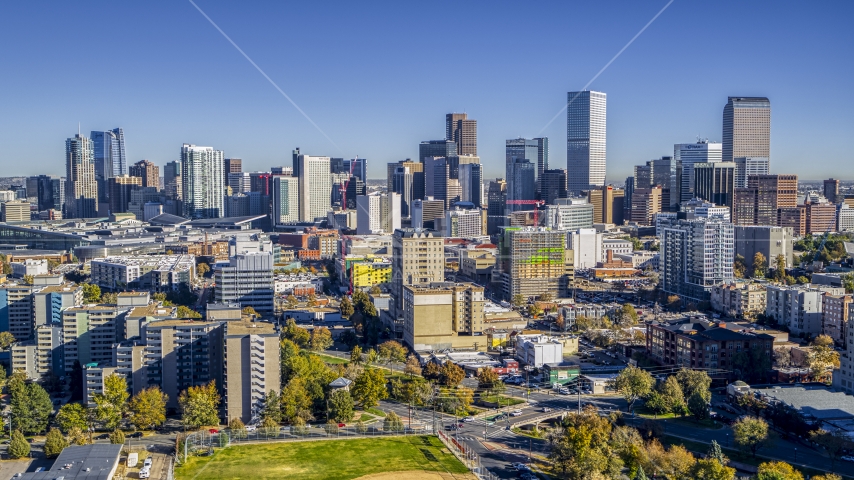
(346,184)
(535,203)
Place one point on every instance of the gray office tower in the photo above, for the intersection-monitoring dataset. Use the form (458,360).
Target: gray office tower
(109,158)
(521,155)
(471,183)
(585,140)
(747,128)
(436,148)
(542,160)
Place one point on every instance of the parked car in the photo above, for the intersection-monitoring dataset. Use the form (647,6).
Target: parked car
(251,428)
(213,430)
(133,435)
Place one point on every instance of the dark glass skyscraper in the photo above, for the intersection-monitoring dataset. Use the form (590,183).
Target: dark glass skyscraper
(110,160)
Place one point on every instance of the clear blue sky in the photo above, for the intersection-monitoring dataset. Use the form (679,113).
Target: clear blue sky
(378,77)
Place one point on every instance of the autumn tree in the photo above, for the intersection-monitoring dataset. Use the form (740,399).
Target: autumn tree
(148,408)
(249,311)
(187,312)
(369,388)
(321,339)
(72,415)
(777,471)
(451,374)
(822,356)
(710,469)
(296,402)
(392,423)
(672,463)
(750,433)
(346,308)
(202,269)
(296,334)
(633,383)
(431,371)
(760,265)
(488,380)
(356,355)
(54,443)
(780,271)
(200,405)
(392,351)
(739,267)
(237,428)
(6,340)
(91,293)
(412,367)
(341,408)
(111,403)
(581,447)
(117,437)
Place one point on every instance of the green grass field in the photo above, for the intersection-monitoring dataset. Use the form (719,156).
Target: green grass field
(333,459)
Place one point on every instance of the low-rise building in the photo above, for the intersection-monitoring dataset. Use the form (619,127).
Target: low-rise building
(160,273)
(739,299)
(29,267)
(313,314)
(798,307)
(537,350)
(835,311)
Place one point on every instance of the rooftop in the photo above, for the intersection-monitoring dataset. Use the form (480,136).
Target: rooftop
(817,401)
(78,462)
(243,328)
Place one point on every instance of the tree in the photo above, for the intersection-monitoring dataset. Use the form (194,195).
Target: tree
(673,463)
(369,388)
(27,279)
(827,476)
(780,271)
(91,293)
(272,406)
(412,367)
(31,405)
(109,298)
(346,308)
(372,357)
(291,301)
(356,355)
(739,268)
(633,383)
(698,404)
(710,469)
(296,334)
(392,351)
(836,443)
(376,290)
(79,437)
(72,415)
(200,405)
(692,381)
(321,339)
(716,453)
(777,471)
(341,407)
(783,356)
(750,433)
(296,402)
(760,265)
(822,357)
(18,446)
(148,408)
(187,312)
(581,447)
(202,269)
(110,405)
(392,423)
(249,311)
(451,374)
(431,371)
(628,315)
(349,338)
(518,300)
(117,437)
(312,300)
(6,340)
(237,428)
(54,443)
(673,303)
(672,396)
(270,427)
(488,380)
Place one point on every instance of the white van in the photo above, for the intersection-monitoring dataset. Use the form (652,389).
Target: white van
(145,472)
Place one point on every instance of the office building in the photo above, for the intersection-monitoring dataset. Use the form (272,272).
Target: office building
(354,188)
(246,280)
(689,154)
(586,245)
(696,255)
(231,165)
(147,171)
(159,273)
(239,182)
(315,186)
(182,353)
(542,159)
(462,131)
(407,179)
(770,241)
(357,167)
(15,211)
(521,157)
(471,183)
(465,223)
(844,218)
(41,188)
(202,182)
(552,186)
(436,148)
(646,204)
(608,204)
(665,173)
(496,205)
(417,257)
(285,200)
(250,367)
(58,191)
(585,140)
(568,214)
(120,188)
(534,261)
(715,182)
(108,157)
(746,167)
(172,181)
(81,188)
(440,315)
(760,203)
(831,190)
(377,213)
(746,128)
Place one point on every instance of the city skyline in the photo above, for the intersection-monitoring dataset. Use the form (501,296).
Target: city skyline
(243,116)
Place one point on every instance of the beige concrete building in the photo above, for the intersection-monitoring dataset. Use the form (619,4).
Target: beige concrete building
(443,315)
(646,203)
(417,257)
(477,264)
(89,333)
(17,211)
(835,310)
(251,367)
(744,300)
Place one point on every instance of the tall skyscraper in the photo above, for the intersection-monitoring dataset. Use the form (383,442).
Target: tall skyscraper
(496,205)
(172,180)
(520,164)
(552,185)
(715,182)
(285,200)
(747,128)
(315,186)
(747,166)
(696,255)
(471,183)
(763,199)
(120,188)
(585,140)
(688,154)
(41,187)
(416,170)
(231,165)
(109,157)
(359,167)
(402,185)
(542,158)
(147,171)
(436,148)
(81,188)
(201,181)
(462,131)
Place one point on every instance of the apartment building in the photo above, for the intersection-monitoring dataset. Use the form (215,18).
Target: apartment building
(743,300)
(247,280)
(799,307)
(16,310)
(89,333)
(159,273)
(442,315)
(251,367)
(835,311)
(417,257)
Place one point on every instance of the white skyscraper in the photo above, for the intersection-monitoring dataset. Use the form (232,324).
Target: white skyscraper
(688,154)
(202,181)
(285,200)
(377,213)
(585,140)
(81,189)
(315,186)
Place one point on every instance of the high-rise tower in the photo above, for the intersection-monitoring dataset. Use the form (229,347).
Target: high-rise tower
(201,181)
(747,128)
(81,188)
(462,131)
(585,140)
